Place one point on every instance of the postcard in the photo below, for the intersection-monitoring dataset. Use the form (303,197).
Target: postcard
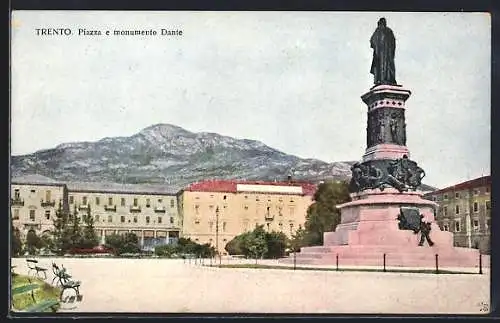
(250,162)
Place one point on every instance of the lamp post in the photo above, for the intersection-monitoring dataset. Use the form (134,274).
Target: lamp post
(217,230)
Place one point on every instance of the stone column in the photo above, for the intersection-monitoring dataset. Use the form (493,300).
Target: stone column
(167,240)
(142,238)
(103,237)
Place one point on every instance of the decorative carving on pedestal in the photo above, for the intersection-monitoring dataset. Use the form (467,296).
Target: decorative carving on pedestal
(402,174)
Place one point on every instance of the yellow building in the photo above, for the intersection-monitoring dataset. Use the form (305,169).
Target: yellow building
(149,211)
(465,210)
(216,211)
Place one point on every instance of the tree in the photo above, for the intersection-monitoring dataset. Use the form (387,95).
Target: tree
(237,245)
(33,242)
(126,243)
(298,240)
(16,243)
(61,233)
(323,216)
(89,236)
(76,236)
(256,243)
(276,244)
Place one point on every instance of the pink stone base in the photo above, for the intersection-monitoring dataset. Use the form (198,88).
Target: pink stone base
(369,229)
(385,151)
(368,255)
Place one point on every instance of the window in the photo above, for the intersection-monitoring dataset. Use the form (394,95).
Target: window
(32,215)
(280,225)
(197,209)
(457,225)
(97,200)
(159,220)
(110,201)
(246,196)
(487,190)
(210,207)
(475,225)
(445,197)
(488,205)
(147,220)
(135,202)
(196,221)
(96,217)
(223,226)
(171,220)
(47,195)
(148,203)
(434,198)
(257,198)
(84,200)
(135,219)
(71,199)
(291,201)
(446,227)
(476,192)
(33,191)
(47,214)
(211,226)
(445,210)
(457,195)
(211,196)
(267,224)
(123,201)
(475,207)
(16,194)
(110,218)
(224,197)
(172,203)
(292,211)
(245,207)
(16,214)
(457,209)
(122,219)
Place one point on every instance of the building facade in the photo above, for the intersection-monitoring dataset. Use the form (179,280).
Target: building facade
(34,204)
(216,211)
(151,212)
(465,210)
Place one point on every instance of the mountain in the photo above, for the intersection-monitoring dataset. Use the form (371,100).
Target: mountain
(165,153)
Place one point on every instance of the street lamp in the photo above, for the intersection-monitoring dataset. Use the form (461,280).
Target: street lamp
(217,230)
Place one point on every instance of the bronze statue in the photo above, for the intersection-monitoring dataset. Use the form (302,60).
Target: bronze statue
(383,43)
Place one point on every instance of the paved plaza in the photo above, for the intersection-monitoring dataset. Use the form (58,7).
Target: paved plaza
(173,286)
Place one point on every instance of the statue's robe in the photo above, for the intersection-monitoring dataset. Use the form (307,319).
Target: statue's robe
(383,68)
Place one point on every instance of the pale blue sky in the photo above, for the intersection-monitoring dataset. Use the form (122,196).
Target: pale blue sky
(292,80)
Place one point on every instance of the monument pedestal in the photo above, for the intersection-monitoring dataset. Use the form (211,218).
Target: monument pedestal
(369,229)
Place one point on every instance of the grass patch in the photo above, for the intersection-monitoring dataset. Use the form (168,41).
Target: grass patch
(24,300)
(393,270)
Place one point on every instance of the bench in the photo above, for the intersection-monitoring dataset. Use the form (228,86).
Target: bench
(64,280)
(33,266)
(36,307)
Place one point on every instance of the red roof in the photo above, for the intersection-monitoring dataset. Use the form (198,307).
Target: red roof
(481,181)
(229,186)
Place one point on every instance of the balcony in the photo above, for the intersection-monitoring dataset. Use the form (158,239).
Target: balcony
(47,203)
(135,209)
(16,202)
(111,208)
(83,207)
(269,217)
(160,209)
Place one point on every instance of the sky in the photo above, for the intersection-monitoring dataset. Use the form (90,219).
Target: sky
(292,80)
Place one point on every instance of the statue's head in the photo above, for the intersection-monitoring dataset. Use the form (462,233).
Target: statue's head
(382,22)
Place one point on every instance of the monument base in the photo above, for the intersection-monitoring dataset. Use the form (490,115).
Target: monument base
(369,229)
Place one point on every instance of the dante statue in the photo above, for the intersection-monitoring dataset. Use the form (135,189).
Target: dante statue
(383,43)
